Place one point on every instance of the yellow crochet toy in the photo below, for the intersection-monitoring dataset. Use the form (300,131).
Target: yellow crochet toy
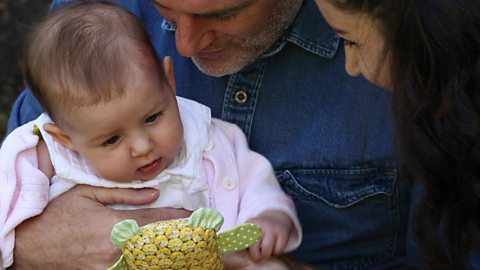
(192,243)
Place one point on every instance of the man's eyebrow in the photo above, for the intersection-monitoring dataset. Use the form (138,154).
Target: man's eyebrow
(220,12)
(226,11)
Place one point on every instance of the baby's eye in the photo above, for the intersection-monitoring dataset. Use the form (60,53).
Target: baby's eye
(152,117)
(112,140)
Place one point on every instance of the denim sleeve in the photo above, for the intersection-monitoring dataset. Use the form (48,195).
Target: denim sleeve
(25,109)
(57,3)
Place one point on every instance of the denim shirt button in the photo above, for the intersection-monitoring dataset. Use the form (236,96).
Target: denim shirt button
(241,96)
(228,183)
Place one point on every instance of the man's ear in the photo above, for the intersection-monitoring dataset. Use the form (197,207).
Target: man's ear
(169,73)
(59,135)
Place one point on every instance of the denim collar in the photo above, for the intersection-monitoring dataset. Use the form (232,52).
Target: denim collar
(308,31)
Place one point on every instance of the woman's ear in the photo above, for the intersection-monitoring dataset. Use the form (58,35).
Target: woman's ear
(59,135)
(169,73)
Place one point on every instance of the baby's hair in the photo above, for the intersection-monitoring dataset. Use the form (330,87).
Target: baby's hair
(81,55)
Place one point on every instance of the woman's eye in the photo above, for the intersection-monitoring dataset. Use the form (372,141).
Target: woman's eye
(112,140)
(348,43)
(152,118)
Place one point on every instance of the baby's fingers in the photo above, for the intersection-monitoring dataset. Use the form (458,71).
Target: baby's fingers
(267,246)
(280,245)
(254,251)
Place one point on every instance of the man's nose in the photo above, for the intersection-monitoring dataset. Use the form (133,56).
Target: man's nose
(193,34)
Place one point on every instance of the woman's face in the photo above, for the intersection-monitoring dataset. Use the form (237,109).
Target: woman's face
(363,43)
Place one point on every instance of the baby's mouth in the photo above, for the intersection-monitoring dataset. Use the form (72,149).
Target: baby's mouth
(150,166)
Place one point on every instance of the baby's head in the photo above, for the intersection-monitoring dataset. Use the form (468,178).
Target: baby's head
(93,69)
(83,54)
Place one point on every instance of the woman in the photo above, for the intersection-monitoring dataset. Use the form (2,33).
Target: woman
(428,53)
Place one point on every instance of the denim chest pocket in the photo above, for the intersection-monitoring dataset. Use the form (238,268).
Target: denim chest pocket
(339,188)
(350,216)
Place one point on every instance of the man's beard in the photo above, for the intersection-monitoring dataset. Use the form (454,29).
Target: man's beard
(247,50)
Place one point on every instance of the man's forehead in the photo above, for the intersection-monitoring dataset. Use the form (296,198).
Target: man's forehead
(205,7)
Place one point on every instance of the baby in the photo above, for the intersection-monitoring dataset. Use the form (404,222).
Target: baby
(112,119)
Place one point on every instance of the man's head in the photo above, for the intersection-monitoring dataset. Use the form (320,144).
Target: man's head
(222,37)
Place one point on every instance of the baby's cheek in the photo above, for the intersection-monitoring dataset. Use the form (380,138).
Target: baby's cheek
(113,172)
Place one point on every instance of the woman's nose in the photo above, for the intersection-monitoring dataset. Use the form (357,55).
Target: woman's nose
(351,62)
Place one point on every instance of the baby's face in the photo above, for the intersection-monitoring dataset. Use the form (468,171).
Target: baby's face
(134,136)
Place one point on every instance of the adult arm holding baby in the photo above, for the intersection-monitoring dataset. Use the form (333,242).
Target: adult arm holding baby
(80,218)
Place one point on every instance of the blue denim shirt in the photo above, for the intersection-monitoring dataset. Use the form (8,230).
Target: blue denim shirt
(328,136)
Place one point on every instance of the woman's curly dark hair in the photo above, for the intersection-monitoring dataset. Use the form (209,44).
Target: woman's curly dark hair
(434,49)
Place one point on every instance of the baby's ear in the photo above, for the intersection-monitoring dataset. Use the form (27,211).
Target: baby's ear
(169,73)
(59,135)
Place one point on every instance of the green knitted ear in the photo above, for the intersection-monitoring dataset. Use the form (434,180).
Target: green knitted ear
(123,231)
(241,237)
(206,218)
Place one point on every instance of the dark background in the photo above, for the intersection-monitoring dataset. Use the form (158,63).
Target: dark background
(16,18)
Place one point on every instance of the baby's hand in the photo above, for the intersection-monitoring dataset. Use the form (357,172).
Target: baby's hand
(276,229)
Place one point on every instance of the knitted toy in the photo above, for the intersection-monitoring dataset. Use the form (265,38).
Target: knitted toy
(192,243)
